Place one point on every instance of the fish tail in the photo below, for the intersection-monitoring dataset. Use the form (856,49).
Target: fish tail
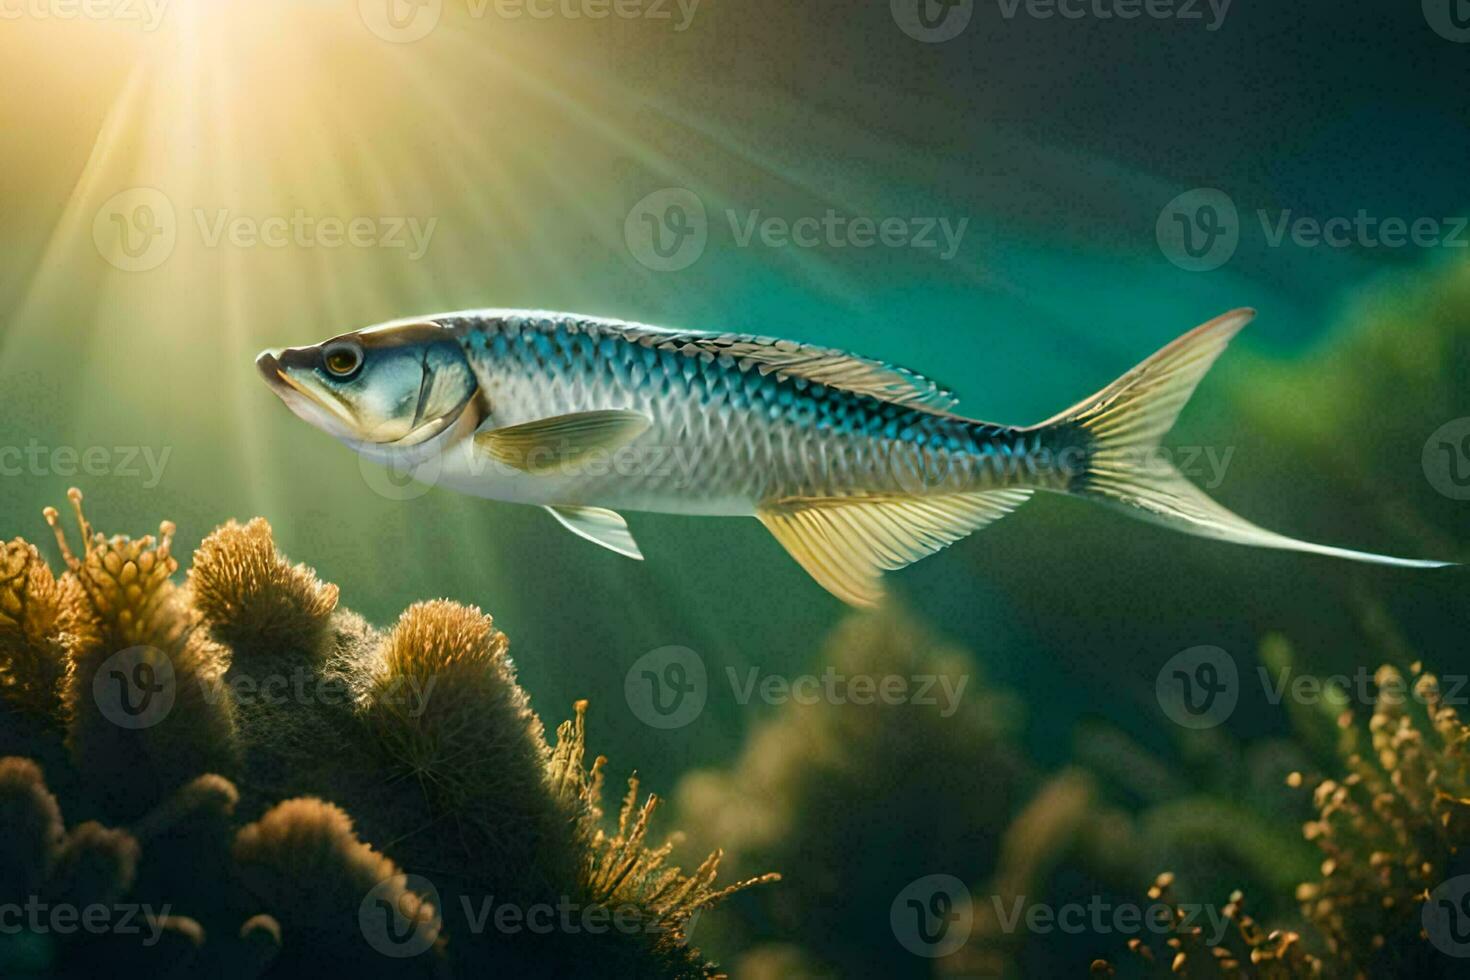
(1107,447)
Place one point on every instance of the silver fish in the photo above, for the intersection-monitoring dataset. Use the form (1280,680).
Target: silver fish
(856,466)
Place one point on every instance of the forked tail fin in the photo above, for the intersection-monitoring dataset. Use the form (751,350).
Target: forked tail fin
(1119,430)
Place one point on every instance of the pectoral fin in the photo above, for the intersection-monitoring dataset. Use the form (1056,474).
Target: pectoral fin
(847,543)
(605,527)
(551,444)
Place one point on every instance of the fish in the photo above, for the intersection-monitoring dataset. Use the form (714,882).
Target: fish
(856,466)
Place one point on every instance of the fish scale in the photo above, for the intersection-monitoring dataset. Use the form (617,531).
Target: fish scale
(753,434)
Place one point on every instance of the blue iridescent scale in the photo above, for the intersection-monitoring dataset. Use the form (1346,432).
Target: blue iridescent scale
(762,433)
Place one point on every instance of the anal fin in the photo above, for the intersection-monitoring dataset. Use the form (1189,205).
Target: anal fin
(599,525)
(847,543)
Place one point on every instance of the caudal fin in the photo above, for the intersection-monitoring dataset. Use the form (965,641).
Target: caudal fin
(1119,430)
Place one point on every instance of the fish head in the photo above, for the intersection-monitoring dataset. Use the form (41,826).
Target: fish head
(399,384)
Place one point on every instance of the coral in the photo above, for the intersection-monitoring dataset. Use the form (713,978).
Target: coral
(1390,831)
(303,861)
(32,619)
(143,698)
(33,830)
(49,872)
(252,596)
(1246,951)
(620,869)
(445,709)
(190,712)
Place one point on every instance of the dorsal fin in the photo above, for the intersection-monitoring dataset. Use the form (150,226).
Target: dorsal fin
(822,365)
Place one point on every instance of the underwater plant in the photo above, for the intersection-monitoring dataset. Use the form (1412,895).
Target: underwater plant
(32,658)
(1391,832)
(284,789)
(853,801)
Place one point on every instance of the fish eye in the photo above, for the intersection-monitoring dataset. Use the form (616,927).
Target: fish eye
(342,360)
